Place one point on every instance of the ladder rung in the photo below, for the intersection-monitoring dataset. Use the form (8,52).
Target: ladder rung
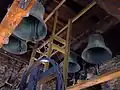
(58,48)
(38,51)
(59,39)
(34,58)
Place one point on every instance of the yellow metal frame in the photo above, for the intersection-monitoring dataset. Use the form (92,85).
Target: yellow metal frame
(52,46)
(66,49)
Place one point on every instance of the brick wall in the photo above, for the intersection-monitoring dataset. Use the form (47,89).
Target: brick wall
(9,69)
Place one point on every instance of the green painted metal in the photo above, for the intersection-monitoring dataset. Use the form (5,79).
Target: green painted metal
(16,46)
(32,28)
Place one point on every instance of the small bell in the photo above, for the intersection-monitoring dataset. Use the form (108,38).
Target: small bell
(96,52)
(15,46)
(73,64)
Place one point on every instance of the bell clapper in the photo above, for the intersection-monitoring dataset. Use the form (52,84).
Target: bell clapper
(83,73)
(74,81)
(97,69)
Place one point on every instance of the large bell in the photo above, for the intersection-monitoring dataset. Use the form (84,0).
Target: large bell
(73,63)
(111,6)
(15,46)
(32,28)
(96,52)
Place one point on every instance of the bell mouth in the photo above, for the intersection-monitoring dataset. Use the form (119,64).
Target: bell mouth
(16,46)
(73,67)
(97,55)
(31,29)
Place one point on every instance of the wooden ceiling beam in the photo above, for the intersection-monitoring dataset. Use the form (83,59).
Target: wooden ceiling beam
(53,12)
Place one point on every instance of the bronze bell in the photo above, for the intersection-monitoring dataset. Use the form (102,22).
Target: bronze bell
(111,6)
(73,63)
(15,46)
(96,51)
(32,28)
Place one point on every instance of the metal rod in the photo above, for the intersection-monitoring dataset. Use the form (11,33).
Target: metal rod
(58,48)
(67,52)
(46,42)
(100,79)
(59,39)
(53,34)
(32,59)
(51,14)
(79,15)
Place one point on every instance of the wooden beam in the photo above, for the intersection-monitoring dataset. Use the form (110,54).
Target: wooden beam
(51,14)
(100,79)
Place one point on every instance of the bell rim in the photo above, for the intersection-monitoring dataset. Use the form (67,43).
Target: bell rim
(45,28)
(75,70)
(84,54)
(23,52)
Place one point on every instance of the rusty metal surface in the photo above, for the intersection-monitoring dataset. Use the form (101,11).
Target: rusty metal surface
(12,19)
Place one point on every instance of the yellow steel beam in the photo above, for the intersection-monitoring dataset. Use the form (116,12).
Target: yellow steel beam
(51,14)
(32,58)
(59,39)
(100,79)
(53,34)
(67,52)
(78,16)
(56,51)
(58,48)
